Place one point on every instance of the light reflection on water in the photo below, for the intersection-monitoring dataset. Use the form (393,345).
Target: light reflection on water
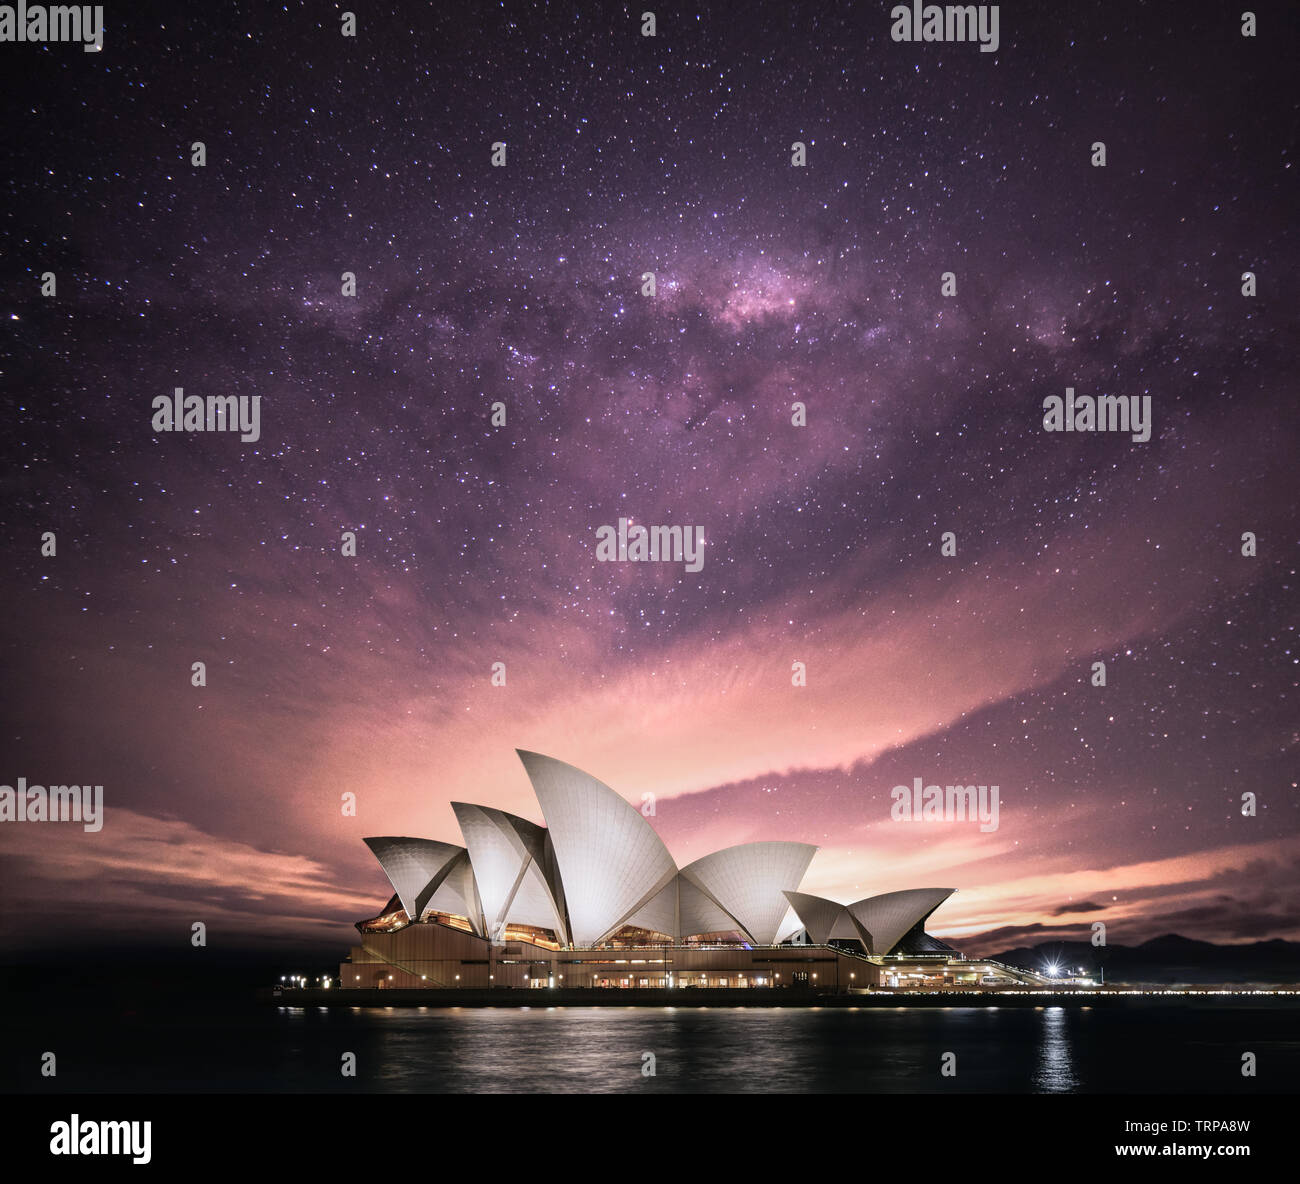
(602,1050)
(1055,1071)
(235,1046)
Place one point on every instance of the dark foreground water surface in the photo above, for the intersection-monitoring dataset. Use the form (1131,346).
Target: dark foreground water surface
(233,1046)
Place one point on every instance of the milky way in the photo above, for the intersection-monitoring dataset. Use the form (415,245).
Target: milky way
(774,286)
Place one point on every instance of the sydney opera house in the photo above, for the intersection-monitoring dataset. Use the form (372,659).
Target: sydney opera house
(594,900)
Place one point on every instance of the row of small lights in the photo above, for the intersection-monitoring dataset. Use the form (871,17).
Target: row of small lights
(1108,992)
(300,980)
(1052,970)
(424,978)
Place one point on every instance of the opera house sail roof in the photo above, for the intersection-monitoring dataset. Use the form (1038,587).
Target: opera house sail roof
(598,869)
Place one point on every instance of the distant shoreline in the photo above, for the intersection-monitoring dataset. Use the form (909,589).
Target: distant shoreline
(1232,995)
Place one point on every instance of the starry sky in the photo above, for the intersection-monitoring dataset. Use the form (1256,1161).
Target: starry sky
(476,543)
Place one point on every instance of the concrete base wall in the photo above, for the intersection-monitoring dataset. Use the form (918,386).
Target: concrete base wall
(430,955)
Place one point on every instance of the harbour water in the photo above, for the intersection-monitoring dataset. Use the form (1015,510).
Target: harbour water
(233,1045)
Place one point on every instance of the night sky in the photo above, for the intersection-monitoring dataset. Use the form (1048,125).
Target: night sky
(476,284)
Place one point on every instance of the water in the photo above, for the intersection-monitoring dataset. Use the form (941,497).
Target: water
(227,1045)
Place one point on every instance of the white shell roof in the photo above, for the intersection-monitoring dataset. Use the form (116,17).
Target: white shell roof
(819,915)
(790,925)
(414,867)
(683,910)
(891,915)
(508,855)
(748,881)
(611,860)
(458,894)
(702,914)
(659,913)
(878,921)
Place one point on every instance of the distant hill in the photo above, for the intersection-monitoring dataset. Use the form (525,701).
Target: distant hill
(1168,959)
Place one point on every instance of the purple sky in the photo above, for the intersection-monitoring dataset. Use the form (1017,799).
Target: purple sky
(476,543)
